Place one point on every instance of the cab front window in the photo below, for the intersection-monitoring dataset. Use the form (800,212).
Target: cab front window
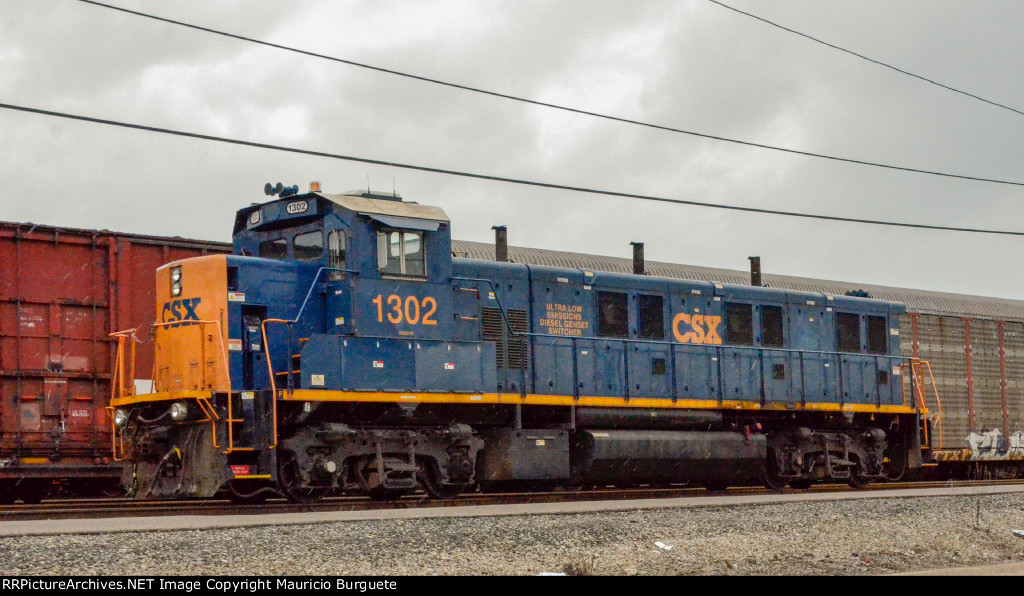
(309,246)
(273,249)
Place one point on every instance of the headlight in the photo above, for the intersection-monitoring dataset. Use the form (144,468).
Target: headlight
(120,418)
(176,281)
(179,411)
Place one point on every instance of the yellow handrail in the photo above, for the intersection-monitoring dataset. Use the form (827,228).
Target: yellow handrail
(918,369)
(118,388)
(220,342)
(114,435)
(937,417)
(117,383)
(270,370)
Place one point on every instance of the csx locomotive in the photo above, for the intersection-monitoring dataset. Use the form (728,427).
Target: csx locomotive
(342,347)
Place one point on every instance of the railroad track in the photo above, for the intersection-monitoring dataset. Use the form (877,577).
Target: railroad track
(122,507)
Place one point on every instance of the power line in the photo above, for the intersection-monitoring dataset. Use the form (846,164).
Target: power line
(863,57)
(549,105)
(519,181)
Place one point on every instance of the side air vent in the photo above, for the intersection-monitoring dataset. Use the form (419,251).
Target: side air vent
(494,330)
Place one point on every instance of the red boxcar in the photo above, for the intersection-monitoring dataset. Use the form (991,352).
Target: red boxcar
(62,292)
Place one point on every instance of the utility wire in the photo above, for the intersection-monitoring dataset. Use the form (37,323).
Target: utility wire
(549,105)
(863,57)
(519,181)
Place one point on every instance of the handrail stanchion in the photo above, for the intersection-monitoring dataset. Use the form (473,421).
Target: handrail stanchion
(266,344)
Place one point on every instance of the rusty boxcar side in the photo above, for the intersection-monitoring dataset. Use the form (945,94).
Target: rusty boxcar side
(62,292)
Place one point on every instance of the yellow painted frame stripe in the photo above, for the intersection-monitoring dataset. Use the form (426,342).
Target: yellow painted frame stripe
(532,400)
(567,400)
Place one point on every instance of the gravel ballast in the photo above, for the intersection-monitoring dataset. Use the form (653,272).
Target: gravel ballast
(869,536)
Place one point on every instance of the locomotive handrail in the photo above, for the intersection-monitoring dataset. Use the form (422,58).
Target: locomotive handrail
(266,344)
(938,402)
(917,396)
(494,291)
(715,346)
(511,333)
(836,356)
(312,285)
(220,342)
(117,388)
(302,308)
(204,405)
(114,435)
(270,371)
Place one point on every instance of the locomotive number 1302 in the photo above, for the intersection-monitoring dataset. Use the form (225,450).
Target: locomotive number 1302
(410,310)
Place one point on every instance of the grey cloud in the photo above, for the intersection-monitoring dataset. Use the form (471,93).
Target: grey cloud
(689,64)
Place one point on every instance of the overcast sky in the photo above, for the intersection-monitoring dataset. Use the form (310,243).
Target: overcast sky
(687,64)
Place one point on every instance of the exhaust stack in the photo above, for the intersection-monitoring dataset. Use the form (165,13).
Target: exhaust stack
(755,271)
(638,258)
(500,243)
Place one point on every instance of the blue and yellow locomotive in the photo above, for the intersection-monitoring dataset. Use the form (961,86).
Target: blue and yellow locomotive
(343,348)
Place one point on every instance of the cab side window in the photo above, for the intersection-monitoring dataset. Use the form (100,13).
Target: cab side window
(336,249)
(405,253)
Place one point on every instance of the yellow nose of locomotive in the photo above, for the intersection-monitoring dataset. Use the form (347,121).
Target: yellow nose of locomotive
(190,333)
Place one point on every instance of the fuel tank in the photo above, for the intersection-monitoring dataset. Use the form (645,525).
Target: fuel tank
(646,456)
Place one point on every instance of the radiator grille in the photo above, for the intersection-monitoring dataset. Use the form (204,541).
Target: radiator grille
(494,330)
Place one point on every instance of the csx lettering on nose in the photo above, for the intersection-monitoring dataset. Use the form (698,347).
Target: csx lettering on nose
(183,309)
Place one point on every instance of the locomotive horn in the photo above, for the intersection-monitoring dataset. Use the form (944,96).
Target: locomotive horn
(272,190)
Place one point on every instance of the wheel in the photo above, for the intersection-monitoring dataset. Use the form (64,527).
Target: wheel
(801,483)
(289,484)
(242,493)
(857,479)
(430,479)
(896,466)
(112,489)
(771,479)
